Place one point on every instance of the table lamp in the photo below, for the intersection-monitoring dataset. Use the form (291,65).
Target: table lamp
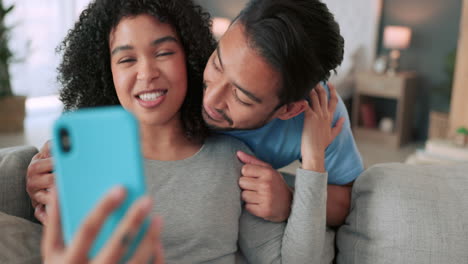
(396,38)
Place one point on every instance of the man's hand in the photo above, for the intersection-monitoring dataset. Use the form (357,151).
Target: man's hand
(318,132)
(39,180)
(264,190)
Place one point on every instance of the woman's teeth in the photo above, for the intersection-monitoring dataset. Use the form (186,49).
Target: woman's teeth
(151,96)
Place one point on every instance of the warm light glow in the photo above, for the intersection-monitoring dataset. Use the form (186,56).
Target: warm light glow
(396,37)
(220,25)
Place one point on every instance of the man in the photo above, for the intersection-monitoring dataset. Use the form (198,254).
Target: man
(257,81)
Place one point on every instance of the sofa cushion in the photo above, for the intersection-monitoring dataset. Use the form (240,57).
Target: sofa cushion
(14,199)
(407,214)
(20,240)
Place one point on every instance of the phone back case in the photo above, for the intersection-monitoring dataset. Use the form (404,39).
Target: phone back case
(104,152)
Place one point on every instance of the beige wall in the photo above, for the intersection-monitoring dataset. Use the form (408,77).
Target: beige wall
(459,104)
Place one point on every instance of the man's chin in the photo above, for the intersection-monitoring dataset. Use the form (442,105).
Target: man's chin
(215,127)
(210,125)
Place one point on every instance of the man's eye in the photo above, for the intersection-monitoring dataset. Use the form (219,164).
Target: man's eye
(215,66)
(236,97)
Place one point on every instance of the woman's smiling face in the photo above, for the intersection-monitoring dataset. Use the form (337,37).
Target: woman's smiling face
(149,69)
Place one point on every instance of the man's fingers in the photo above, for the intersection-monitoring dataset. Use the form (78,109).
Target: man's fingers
(248,183)
(315,102)
(256,171)
(91,226)
(45,150)
(338,127)
(40,213)
(39,174)
(145,252)
(250,197)
(333,99)
(323,97)
(42,197)
(40,182)
(40,166)
(249,159)
(125,233)
(52,240)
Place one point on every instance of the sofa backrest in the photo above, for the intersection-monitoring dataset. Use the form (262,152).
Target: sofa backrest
(407,214)
(14,199)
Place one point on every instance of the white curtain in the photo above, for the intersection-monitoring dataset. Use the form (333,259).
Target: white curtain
(359,22)
(38,28)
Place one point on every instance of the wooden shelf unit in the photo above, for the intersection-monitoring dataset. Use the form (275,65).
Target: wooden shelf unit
(401,88)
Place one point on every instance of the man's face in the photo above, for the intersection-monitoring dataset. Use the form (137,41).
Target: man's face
(241,88)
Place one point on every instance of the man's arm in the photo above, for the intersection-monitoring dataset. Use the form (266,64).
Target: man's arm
(301,239)
(343,163)
(304,236)
(266,193)
(338,204)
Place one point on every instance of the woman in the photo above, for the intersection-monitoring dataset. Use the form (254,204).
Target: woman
(148,56)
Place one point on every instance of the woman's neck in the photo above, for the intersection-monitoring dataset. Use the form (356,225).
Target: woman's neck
(167,142)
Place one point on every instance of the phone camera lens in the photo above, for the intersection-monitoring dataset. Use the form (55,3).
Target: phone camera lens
(65,142)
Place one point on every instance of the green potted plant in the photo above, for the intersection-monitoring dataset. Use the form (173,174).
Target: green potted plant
(12,107)
(461,137)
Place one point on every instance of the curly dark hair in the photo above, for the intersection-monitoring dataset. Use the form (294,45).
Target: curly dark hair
(85,70)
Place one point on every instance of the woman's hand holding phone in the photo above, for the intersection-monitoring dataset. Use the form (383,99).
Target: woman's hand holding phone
(149,250)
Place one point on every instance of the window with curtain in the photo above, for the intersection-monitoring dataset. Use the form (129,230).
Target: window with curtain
(38,27)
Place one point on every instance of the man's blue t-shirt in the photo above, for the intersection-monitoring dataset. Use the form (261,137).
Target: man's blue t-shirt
(279,144)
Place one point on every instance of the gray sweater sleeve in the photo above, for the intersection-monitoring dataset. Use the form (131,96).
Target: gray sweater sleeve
(301,239)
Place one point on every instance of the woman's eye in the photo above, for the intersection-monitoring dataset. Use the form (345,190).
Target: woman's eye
(164,54)
(126,61)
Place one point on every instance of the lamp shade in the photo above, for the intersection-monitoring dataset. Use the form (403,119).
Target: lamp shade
(220,25)
(397,37)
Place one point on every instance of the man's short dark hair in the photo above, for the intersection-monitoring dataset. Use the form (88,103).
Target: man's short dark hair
(299,38)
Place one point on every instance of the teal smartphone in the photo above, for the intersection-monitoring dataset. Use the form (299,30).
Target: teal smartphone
(94,150)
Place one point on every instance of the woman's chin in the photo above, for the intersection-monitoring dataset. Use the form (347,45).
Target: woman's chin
(158,120)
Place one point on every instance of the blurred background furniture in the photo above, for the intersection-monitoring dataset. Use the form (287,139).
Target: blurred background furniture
(400,88)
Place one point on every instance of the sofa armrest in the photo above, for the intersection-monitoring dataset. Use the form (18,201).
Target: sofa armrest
(407,214)
(14,199)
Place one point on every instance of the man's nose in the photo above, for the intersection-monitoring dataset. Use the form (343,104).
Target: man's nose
(216,95)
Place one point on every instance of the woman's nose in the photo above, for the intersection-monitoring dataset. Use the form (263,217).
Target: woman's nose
(147,71)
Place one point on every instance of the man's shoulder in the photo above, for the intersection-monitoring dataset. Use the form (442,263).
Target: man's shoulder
(277,143)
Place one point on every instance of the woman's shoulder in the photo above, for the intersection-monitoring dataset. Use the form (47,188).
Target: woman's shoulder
(225,143)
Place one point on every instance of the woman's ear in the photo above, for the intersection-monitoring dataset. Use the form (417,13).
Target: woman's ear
(291,110)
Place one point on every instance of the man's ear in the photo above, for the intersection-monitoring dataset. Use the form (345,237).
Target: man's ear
(291,110)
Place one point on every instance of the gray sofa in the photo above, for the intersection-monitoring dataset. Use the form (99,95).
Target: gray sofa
(399,214)
(20,235)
